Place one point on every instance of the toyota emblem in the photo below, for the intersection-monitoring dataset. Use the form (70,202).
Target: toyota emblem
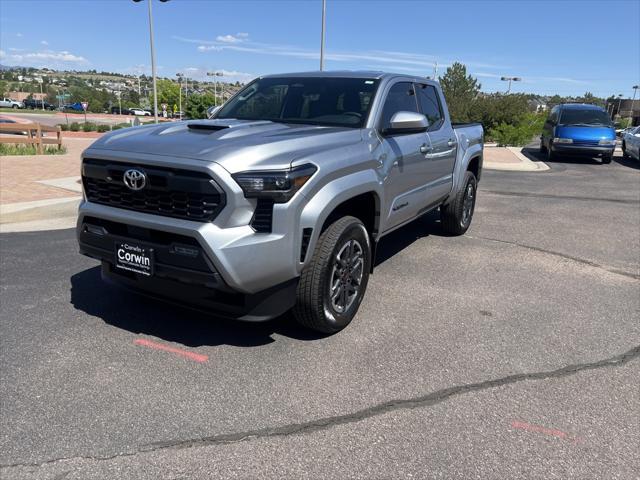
(134,179)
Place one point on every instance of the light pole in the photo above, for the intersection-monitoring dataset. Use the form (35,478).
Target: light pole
(153,60)
(633,102)
(619,103)
(324,14)
(215,85)
(510,79)
(180,75)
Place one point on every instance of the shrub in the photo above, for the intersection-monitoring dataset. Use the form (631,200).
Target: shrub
(520,133)
(64,127)
(74,127)
(88,127)
(103,128)
(10,149)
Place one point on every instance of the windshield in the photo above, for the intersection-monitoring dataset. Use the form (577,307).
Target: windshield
(343,102)
(588,116)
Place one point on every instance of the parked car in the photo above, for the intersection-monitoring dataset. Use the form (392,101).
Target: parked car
(279,200)
(8,103)
(118,111)
(631,143)
(32,103)
(578,129)
(77,106)
(139,112)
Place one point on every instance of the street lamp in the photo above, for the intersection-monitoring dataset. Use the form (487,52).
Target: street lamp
(215,85)
(619,103)
(180,76)
(510,79)
(324,14)
(153,60)
(633,102)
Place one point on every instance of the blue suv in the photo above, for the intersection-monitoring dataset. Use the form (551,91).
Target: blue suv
(578,129)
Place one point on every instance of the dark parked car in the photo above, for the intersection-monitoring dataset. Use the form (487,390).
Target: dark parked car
(116,111)
(32,103)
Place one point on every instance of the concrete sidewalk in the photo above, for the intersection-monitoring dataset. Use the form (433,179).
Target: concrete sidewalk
(510,159)
(41,192)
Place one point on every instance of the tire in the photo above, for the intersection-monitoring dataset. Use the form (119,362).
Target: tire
(624,150)
(14,106)
(606,159)
(543,149)
(456,216)
(345,239)
(550,155)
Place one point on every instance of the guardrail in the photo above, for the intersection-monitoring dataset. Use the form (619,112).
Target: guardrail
(31,133)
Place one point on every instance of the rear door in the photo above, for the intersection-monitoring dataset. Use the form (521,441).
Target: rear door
(441,158)
(405,166)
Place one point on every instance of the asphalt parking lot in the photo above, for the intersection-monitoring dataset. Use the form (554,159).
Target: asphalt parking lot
(510,352)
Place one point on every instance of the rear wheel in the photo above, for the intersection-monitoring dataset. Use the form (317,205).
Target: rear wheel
(550,155)
(333,284)
(543,149)
(456,216)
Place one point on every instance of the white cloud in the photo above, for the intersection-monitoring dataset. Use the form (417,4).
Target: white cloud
(391,59)
(45,58)
(19,35)
(237,38)
(2,54)
(44,42)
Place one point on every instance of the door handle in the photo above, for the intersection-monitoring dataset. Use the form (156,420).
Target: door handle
(451,143)
(424,148)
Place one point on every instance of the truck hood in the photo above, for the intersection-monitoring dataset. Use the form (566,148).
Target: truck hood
(237,145)
(581,133)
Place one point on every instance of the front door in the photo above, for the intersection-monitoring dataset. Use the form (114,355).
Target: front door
(405,166)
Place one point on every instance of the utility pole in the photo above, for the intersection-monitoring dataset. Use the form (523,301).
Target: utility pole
(324,12)
(435,71)
(619,103)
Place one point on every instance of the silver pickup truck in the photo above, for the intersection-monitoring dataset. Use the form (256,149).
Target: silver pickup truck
(278,201)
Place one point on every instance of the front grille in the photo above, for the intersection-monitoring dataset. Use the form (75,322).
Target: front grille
(586,143)
(169,192)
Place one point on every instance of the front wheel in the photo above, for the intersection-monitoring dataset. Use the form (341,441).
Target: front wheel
(606,158)
(456,216)
(14,106)
(624,150)
(333,284)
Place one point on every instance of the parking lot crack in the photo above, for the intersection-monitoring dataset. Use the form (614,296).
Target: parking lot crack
(311,426)
(562,197)
(616,271)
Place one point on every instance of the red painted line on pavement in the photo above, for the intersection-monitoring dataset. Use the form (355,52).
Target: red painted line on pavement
(544,430)
(196,357)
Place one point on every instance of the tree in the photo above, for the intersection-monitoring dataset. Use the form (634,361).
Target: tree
(198,104)
(460,90)
(491,110)
(168,92)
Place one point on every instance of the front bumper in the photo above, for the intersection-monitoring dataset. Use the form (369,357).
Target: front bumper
(582,150)
(184,273)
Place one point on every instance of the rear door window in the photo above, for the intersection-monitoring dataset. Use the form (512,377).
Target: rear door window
(430,105)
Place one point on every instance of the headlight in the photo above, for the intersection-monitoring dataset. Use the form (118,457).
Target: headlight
(606,141)
(278,185)
(562,140)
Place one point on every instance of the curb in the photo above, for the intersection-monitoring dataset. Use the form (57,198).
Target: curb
(51,210)
(524,165)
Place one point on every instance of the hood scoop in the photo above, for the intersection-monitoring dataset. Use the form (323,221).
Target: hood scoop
(206,127)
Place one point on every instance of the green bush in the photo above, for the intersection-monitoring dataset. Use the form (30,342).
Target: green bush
(520,133)
(74,127)
(88,127)
(10,149)
(103,128)
(64,127)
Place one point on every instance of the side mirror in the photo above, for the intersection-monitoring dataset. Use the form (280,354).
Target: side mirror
(211,111)
(407,122)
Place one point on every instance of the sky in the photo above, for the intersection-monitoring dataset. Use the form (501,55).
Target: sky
(555,46)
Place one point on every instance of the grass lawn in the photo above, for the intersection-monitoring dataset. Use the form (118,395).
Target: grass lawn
(23,110)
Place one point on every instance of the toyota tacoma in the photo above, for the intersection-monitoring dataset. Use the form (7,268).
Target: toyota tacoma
(277,202)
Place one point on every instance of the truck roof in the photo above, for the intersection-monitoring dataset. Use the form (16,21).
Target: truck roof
(580,106)
(373,74)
